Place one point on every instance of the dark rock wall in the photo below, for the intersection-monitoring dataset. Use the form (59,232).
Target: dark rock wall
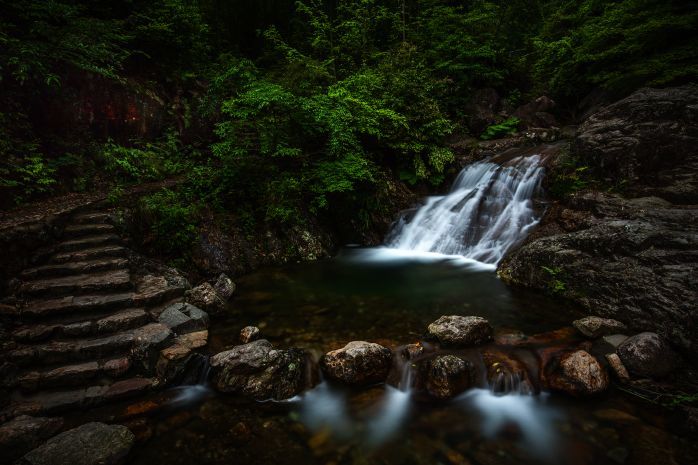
(634,256)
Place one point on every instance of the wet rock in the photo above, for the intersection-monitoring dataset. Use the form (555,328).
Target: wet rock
(225,287)
(577,373)
(184,318)
(358,363)
(631,257)
(506,373)
(594,326)
(461,331)
(446,376)
(89,444)
(24,433)
(258,371)
(249,334)
(647,355)
(205,296)
(618,368)
(412,351)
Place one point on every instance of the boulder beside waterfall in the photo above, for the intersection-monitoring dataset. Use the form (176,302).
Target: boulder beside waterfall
(461,331)
(358,363)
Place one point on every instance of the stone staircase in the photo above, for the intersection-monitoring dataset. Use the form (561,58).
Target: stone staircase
(88,328)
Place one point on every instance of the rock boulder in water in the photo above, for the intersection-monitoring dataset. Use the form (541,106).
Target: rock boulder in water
(89,444)
(577,373)
(257,370)
(249,334)
(594,326)
(445,376)
(358,363)
(461,331)
(647,355)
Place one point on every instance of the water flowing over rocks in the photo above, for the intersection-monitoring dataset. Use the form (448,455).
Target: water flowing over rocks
(461,331)
(647,355)
(594,327)
(577,373)
(445,376)
(630,257)
(358,363)
(257,370)
(89,444)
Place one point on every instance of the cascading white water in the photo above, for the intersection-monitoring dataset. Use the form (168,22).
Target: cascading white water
(488,211)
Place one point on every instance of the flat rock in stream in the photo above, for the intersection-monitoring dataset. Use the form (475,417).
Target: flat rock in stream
(89,444)
(461,331)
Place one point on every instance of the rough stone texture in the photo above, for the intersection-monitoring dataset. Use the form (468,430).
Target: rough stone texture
(577,373)
(249,334)
(358,363)
(594,326)
(184,318)
(257,370)
(205,296)
(618,368)
(536,114)
(24,433)
(633,258)
(445,376)
(225,287)
(647,355)
(461,331)
(89,444)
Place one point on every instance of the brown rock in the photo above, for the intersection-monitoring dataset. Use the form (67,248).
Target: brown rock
(578,373)
(594,326)
(446,376)
(359,363)
(618,368)
(461,331)
(249,334)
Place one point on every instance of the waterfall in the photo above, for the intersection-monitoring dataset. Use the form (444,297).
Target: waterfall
(488,211)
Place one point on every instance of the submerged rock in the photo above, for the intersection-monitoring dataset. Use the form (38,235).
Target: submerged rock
(257,370)
(647,355)
(461,331)
(359,363)
(594,326)
(89,444)
(249,334)
(578,373)
(445,376)
(24,433)
(206,297)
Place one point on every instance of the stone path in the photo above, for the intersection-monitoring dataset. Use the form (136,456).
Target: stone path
(87,330)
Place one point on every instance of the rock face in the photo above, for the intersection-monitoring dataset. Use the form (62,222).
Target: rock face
(445,376)
(89,444)
(461,331)
(205,296)
(577,373)
(358,363)
(634,257)
(536,114)
(24,433)
(257,370)
(647,355)
(594,327)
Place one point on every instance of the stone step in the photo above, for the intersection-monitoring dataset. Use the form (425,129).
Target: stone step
(73,375)
(56,401)
(89,254)
(87,229)
(144,339)
(119,321)
(73,268)
(113,280)
(82,304)
(87,218)
(87,242)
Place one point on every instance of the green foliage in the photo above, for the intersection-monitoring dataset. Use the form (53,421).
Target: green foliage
(555,283)
(616,45)
(505,128)
(172,219)
(147,161)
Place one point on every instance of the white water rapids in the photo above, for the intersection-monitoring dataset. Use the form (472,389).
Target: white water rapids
(488,211)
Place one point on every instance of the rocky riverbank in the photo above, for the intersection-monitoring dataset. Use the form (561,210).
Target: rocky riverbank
(623,242)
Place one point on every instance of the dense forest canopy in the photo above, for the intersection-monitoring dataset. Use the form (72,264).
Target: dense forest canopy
(298,106)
